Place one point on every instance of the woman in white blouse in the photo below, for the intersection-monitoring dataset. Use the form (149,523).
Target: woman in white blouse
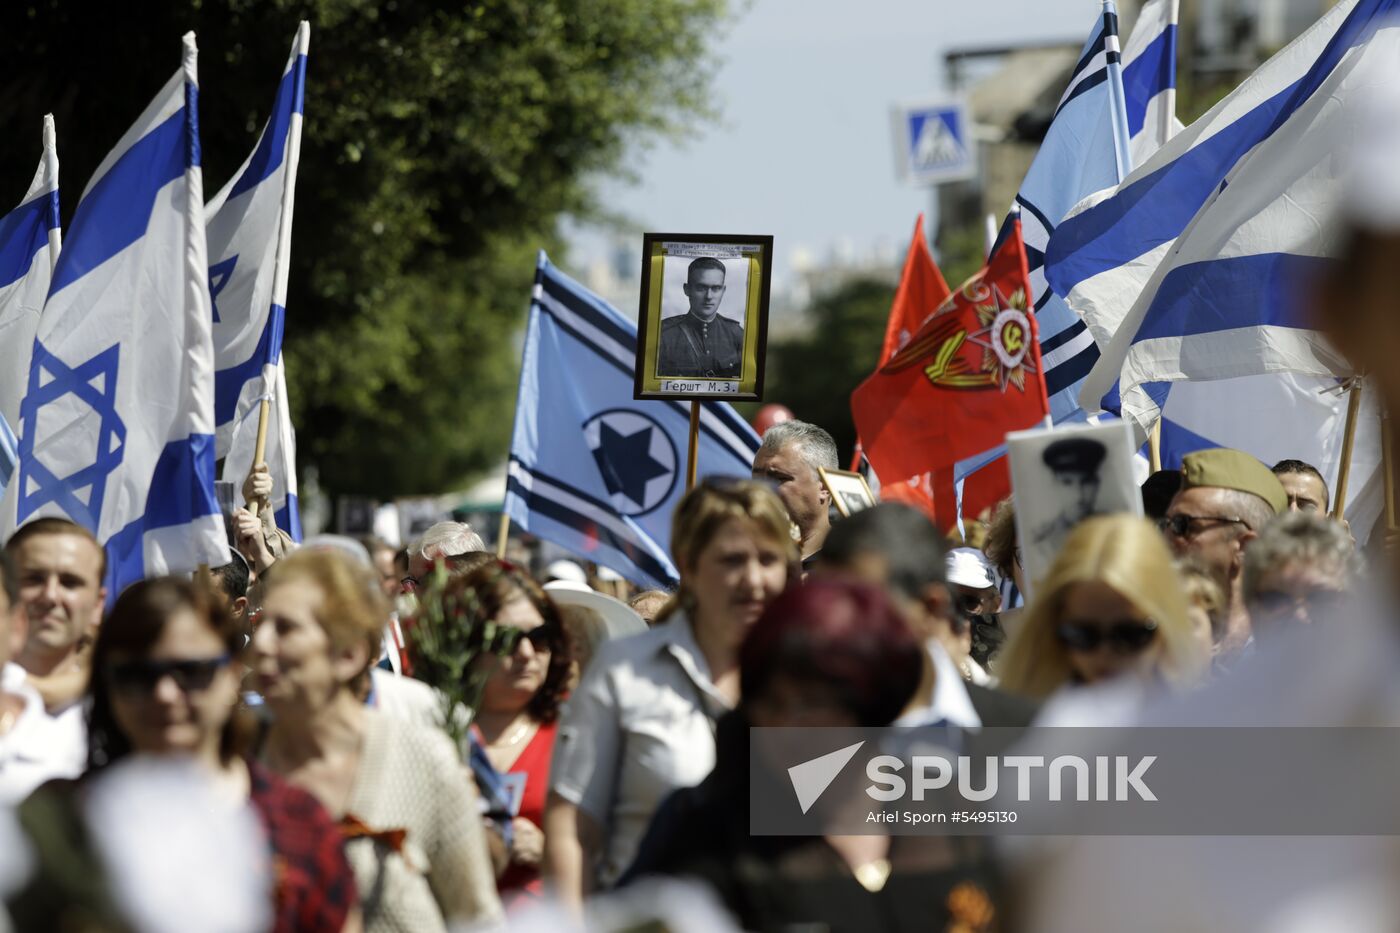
(641,723)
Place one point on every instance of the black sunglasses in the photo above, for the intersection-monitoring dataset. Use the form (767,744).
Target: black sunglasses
(538,637)
(1319,604)
(141,677)
(1122,637)
(1180,525)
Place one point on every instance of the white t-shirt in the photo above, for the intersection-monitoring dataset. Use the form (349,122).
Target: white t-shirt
(38,747)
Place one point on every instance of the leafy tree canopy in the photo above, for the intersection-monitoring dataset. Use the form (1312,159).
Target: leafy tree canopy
(442,145)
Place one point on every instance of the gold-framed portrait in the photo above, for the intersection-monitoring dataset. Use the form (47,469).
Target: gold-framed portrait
(702,325)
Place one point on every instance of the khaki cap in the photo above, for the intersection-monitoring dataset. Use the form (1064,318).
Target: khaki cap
(1233,469)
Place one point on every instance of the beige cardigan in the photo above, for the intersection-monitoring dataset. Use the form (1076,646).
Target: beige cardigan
(410,778)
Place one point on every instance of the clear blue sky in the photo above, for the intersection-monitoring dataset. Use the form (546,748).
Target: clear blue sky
(803,146)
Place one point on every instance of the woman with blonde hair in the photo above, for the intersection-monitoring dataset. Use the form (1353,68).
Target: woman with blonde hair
(642,721)
(1111,608)
(405,803)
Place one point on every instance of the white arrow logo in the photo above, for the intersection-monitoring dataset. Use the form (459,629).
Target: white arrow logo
(811,778)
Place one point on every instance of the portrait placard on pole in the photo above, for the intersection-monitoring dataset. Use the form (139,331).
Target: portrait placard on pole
(1062,476)
(702,325)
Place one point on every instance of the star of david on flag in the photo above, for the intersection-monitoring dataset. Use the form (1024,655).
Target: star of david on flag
(249,227)
(91,384)
(591,469)
(126,323)
(29,244)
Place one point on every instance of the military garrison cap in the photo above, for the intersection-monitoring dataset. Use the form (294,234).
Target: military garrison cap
(1233,469)
(1074,455)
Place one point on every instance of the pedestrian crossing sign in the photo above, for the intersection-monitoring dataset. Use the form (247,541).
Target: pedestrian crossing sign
(933,142)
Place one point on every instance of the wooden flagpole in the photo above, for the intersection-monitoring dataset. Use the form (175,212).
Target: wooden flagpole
(1348,442)
(260,449)
(692,458)
(1388,467)
(1154,445)
(504,534)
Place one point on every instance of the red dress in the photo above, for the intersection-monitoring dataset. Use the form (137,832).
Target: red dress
(520,883)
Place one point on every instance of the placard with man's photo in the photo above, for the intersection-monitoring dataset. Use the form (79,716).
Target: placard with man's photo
(703,321)
(1062,476)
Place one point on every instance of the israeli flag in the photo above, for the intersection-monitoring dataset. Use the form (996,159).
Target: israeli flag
(1085,150)
(117,427)
(1189,269)
(29,244)
(249,226)
(591,469)
(1149,79)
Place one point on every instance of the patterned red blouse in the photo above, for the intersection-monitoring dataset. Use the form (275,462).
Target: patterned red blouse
(315,886)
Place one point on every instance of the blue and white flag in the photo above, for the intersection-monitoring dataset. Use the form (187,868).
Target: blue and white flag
(591,469)
(249,227)
(117,426)
(29,244)
(1085,150)
(1189,270)
(1149,79)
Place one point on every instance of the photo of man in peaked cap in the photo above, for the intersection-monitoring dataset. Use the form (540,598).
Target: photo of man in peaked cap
(1075,463)
(701,343)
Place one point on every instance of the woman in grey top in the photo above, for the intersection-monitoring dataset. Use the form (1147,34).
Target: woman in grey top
(641,723)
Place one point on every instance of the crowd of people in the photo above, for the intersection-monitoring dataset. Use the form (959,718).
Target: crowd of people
(589,739)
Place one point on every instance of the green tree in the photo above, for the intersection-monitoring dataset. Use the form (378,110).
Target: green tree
(442,145)
(816,373)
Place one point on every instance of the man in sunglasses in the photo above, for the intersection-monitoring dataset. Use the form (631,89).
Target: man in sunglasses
(34,746)
(1297,572)
(1226,499)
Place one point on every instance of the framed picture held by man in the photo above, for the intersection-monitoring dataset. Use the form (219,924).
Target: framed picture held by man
(702,325)
(1062,476)
(849,491)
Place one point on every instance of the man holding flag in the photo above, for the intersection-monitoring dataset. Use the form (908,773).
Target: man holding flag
(249,227)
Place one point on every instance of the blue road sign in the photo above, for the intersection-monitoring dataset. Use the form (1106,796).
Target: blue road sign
(933,141)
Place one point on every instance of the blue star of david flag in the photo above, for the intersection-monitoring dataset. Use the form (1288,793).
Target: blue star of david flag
(1149,79)
(117,422)
(1085,150)
(249,229)
(29,242)
(591,469)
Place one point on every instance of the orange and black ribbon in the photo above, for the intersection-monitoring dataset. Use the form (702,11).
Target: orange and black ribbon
(352,827)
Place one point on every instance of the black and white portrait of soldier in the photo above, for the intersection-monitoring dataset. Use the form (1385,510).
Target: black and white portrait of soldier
(1074,463)
(702,342)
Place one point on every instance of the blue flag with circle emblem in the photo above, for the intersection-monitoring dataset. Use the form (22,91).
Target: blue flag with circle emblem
(591,469)
(117,420)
